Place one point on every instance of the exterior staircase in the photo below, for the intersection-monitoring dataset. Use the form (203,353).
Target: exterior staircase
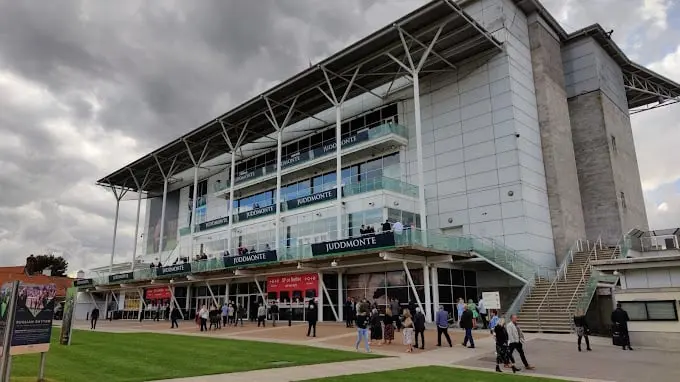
(550,304)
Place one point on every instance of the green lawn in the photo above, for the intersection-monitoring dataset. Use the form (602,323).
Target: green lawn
(112,357)
(435,374)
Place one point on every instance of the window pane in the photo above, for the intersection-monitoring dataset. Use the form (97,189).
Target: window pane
(445,295)
(457,278)
(444,276)
(470,278)
(636,310)
(661,310)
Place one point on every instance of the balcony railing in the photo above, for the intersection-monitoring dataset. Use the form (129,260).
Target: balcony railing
(317,151)
(349,189)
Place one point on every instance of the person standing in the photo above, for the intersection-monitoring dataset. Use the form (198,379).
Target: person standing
(388,322)
(174,316)
(347,311)
(204,314)
(515,342)
(362,329)
(460,307)
(466,323)
(274,310)
(395,307)
(94,316)
(225,314)
(312,317)
(502,354)
(620,320)
(261,315)
(481,308)
(408,331)
(442,321)
(376,327)
(419,328)
(582,329)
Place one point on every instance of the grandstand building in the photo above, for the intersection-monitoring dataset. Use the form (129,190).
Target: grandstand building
(497,146)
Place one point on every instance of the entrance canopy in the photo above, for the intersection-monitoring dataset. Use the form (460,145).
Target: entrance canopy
(368,61)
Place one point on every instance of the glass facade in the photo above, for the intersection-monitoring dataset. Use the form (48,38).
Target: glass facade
(455,284)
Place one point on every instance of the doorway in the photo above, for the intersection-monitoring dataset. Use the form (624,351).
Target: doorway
(243,302)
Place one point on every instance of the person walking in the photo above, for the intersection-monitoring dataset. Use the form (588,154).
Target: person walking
(516,341)
(620,320)
(419,328)
(481,308)
(204,314)
(362,329)
(442,321)
(376,327)
(94,316)
(582,329)
(174,316)
(502,354)
(261,315)
(466,323)
(388,323)
(395,308)
(408,331)
(312,317)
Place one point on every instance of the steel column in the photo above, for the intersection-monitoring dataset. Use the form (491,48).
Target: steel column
(413,286)
(212,295)
(338,169)
(319,305)
(419,155)
(194,202)
(428,299)
(434,280)
(232,176)
(165,199)
(115,233)
(330,302)
(341,301)
(279,138)
(134,248)
(174,301)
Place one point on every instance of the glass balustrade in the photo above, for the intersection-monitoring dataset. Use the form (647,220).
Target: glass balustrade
(321,150)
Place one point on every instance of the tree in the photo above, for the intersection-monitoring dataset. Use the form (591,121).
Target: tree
(37,264)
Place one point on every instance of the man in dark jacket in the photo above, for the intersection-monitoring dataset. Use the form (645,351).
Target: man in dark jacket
(94,316)
(466,323)
(396,313)
(419,327)
(174,316)
(312,317)
(347,311)
(620,320)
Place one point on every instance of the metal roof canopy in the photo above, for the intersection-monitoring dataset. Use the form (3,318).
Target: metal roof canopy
(460,39)
(645,89)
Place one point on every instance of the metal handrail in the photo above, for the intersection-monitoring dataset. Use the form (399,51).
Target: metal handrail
(586,270)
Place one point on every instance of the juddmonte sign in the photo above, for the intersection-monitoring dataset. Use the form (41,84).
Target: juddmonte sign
(212,224)
(378,240)
(83,282)
(352,140)
(311,199)
(294,159)
(174,269)
(256,213)
(250,259)
(121,277)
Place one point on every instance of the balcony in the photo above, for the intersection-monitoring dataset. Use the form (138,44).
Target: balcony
(327,195)
(377,139)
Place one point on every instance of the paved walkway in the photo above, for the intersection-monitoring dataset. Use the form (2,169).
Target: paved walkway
(555,356)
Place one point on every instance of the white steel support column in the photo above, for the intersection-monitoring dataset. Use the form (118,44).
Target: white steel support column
(333,98)
(115,233)
(341,301)
(413,286)
(212,295)
(259,288)
(166,176)
(232,175)
(330,301)
(106,306)
(319,305)
(271,116)
(428,298)
(142,303)
(414,71)
(226,293)
(140,190)
(434,280)
(174,301)
(197,164)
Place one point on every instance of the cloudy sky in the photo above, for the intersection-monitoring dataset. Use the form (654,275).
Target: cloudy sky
(88,86)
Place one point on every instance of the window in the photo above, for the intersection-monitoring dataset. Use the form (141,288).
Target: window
(623,200)
(614,149)
(651,310)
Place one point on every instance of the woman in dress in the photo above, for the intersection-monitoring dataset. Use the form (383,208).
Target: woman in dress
(376,327)
(472,307)
(408,331)
(502,353)
(388,321)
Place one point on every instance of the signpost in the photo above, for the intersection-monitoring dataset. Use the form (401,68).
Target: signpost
(69,313)
(492,300)
(27,311)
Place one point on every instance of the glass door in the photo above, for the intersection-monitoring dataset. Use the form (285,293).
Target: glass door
(243,304)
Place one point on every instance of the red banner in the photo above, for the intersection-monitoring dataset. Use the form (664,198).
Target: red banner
(160,293)
(293,282)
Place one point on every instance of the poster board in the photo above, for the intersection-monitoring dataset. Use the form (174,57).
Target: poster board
(32,317)
(492,300)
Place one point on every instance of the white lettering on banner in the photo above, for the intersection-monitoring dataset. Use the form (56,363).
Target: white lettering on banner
(120,277)
(175,268)
(354,243)
(250,258)
(244,176)
(315,197)
(216,222)
(259,211)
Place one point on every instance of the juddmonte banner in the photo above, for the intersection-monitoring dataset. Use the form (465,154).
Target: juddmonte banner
(121,277)
(213,224)
(256,213)
(83,282)
(352,140)
(174,269)
(294,159)
(378,240)
(311,199)
(250,259)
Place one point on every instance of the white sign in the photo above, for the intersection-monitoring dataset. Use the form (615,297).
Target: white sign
(492,300)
